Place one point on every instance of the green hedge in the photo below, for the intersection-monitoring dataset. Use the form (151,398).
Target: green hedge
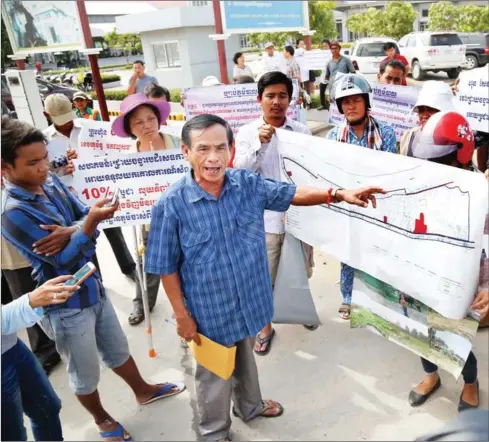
(120,95)
(109,78)
(106,78)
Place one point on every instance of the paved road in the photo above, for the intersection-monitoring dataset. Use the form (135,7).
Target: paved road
(335,383)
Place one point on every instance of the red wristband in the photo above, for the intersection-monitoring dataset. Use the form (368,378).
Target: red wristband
(328,201)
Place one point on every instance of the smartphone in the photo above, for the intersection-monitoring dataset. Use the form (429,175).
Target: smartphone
(114,199)
(87,270)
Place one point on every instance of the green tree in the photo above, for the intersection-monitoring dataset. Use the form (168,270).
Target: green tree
(395,20)
(473,19)
(398,19)
(443,16)
(357,24)
(277,38)
(6,47)
(321,19)
(127,42)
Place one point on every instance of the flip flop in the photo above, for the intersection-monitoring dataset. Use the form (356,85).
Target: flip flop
(266,407)
(118,432)
(166,391)
(266,340)
(344,311)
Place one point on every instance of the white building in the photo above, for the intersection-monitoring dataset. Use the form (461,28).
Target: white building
(176,44)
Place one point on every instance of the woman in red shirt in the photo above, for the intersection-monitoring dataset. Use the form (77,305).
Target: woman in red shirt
(390,50)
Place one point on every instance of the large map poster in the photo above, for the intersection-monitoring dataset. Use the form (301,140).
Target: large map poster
(430,217)
(398,317)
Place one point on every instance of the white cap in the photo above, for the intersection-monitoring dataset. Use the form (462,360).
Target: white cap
(59,108)
(435,94)
(211,80)
(268,44)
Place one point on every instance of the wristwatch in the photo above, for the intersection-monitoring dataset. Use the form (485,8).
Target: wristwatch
(335,191)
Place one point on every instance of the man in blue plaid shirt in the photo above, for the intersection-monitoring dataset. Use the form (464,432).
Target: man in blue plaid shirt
(207,240)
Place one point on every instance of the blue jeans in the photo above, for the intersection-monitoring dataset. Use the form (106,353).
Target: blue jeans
(26,389)
(347,275)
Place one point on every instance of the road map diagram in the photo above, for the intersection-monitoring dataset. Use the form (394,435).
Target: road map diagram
(424,237)
(411,213)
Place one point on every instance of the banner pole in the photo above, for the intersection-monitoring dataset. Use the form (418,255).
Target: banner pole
(144,291)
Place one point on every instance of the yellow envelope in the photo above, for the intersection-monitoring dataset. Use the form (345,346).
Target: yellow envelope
(217,358)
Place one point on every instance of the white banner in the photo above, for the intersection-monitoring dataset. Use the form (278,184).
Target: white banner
(236,103)
(473,98)
(96,138)
(140,177)
(303,64)
(425,236)
(316,59)
(391,105)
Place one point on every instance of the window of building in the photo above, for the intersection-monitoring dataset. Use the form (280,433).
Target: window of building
(244,41)
(199,3)
(339,30)
(167,55)
(423,26)
(103,18)
(425,13)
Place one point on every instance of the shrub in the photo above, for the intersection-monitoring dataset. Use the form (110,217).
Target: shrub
(109,78)
(120,95)
(111,95)
(315,101)
(175,95)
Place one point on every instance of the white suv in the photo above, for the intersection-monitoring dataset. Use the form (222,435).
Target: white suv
(368,53)
(433,51)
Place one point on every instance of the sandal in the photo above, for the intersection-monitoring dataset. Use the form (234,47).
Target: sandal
(268,405)
(166,391)
(344,311)
(136,318)
(119,433)
(266,340)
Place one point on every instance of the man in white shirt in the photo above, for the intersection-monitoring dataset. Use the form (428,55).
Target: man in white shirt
(272,61)
(256,149)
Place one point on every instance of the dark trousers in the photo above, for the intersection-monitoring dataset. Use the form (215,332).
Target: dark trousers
(19,282)
(322,95)
(120,249)
(469,371)
(26,389)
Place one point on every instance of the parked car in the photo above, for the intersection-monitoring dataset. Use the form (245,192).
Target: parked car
(45,88)
(476,48)
(368,53)
(433,51)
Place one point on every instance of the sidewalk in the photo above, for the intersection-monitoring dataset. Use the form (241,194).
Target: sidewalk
(317,121)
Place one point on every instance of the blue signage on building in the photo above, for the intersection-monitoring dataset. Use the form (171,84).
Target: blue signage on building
(261,16)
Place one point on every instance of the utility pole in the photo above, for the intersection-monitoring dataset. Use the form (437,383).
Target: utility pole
(221,48)
(93,59)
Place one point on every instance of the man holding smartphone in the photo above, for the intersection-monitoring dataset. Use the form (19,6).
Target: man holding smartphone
(85,328)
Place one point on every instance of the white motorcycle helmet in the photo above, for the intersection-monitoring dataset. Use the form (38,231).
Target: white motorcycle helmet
(348,85)
(437,95)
